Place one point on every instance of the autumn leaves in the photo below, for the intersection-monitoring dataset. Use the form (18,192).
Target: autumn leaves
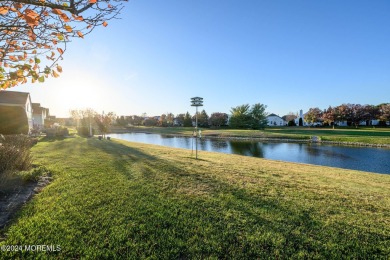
(42,28)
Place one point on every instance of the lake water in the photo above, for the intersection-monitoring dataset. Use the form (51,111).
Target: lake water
(348,157)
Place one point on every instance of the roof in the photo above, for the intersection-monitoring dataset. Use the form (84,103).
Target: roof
(273,115)
(35,105)
(13,97)
(38,110)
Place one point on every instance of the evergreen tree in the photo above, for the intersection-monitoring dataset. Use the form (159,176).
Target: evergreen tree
(187,120)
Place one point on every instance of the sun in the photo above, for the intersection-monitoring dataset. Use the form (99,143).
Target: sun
(79,94)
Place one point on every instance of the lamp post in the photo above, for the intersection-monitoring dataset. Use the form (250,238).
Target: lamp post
(196,102)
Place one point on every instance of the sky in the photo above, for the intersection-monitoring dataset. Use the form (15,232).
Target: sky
(288,55)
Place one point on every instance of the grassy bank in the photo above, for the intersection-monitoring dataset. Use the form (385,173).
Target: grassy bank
(359,135)
(128,200)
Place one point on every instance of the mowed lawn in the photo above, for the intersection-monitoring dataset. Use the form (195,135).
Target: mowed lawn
(115,199)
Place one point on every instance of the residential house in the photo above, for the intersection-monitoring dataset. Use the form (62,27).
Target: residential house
(39,116)
(15,112)
(275,120)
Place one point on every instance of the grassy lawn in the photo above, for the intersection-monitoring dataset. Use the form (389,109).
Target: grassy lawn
(127,200)
(361,134)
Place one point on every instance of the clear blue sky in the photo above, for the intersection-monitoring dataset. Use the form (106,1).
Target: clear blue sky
(289,55)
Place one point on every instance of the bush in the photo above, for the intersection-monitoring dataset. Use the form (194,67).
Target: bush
(291,123)
(34,174)
(13,120)
(15,153)
(84,131)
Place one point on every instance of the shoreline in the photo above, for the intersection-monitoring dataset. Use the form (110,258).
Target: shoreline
(314,139)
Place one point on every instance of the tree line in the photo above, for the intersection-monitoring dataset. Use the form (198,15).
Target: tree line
(216,119)
(243,116)
(353,114)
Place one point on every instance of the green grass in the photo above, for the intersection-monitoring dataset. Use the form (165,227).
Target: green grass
(341,134)
(126,200)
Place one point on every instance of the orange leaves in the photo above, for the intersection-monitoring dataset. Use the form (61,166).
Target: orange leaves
(13,58)
(80,34)
(105,24)
(56,11)
(92,1)
(61,51)
(79,18)
(59,68)
(3,10)
(68,28)
(31,17)
(64,17)
(18,5)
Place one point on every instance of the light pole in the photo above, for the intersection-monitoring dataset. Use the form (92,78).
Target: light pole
(196,102)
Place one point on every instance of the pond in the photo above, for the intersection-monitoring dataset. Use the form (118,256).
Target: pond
(349,157)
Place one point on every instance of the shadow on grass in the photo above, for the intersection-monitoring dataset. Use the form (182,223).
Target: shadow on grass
(171,211)
(244,224)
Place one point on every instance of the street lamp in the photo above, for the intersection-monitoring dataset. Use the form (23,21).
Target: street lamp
(196,102)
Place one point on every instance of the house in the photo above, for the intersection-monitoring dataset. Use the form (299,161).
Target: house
(275,120)
(15,112)
(39,116)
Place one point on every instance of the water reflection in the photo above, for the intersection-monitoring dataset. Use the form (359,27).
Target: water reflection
(247,148)
(358,158)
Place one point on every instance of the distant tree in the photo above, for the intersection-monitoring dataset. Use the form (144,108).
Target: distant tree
(170,119)
(314,115)
(187,120)
(84,120)
(218,119)
(180,119)
(245,116)
(135,120)
(240,117)
(259,116)
(203,119)
(344,113)
(150,121)
(163,120)
(384,112)
(330,116)
(104,122)
(121,121)
(300,122)
(370,113)
(357,113)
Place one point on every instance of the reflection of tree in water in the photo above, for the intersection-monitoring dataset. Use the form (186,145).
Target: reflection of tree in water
(219,144)
(329,151)
(313,150)
(203,144)
(247,148)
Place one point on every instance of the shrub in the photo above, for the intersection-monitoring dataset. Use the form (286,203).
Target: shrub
(84,131)
(291,123)
(15,153)
(13,120)
(34,174)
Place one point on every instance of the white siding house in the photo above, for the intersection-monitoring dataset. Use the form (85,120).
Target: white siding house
(275,120)
(39,116)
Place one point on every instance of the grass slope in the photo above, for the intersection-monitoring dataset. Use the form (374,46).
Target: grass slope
(126,200)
